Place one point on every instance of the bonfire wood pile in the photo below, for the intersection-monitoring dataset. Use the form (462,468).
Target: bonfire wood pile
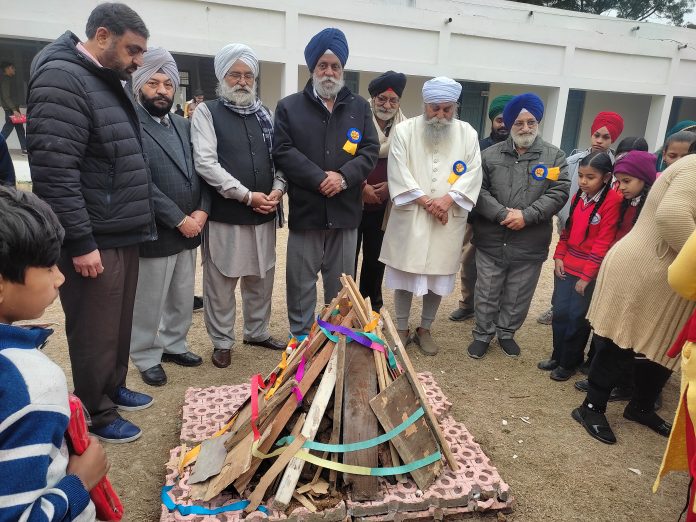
(343,407)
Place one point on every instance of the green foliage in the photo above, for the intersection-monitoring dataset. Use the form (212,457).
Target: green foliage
(671,10)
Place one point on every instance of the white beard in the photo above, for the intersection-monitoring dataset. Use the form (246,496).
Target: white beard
(385,115)
(237,95)
(524,141)
(437,130)
(327,87)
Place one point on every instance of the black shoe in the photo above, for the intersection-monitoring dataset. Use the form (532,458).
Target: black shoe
(154,376)
(620,394)
(477,349)
(197,303)
(461,314)
(595,423)
(583,385)
(183,359)
(510,347)
(647,418)
(561,374)
(273,344)
(547,365)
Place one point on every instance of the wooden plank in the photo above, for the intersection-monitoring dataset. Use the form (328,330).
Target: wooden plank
(309,431)
(410,372)
(338,404)
(392,407)
(360,386)
(279,464)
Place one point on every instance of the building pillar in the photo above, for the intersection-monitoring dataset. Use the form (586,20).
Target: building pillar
(554,115)
(289,76)
(658,118)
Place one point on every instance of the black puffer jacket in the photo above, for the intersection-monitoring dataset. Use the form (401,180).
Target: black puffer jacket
(85,151)
(307,141)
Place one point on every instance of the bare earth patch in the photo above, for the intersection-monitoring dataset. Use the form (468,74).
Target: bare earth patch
(555,470)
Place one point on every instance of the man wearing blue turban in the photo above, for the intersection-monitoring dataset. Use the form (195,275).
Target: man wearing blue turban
(525,183)
(326,145)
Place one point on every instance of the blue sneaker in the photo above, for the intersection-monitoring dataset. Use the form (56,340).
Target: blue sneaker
(129,400)
(118,431)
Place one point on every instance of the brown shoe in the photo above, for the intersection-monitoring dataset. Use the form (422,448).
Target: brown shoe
(404,337)
(221,358)
(425,342)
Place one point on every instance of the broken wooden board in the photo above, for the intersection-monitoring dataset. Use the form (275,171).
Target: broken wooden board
(392,407)
(360,422)
(338,404)
(410,373)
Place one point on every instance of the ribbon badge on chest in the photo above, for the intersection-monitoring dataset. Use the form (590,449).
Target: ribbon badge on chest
(458,168)
(541,172)
(354,136)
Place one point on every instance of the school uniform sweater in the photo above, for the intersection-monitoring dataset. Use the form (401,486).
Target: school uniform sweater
(627,223)
(582,256)
(34,415)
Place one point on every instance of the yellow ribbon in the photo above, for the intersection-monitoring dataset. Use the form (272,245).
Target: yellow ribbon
(553,174)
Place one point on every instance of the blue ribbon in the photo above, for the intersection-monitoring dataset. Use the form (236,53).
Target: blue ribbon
(200,510)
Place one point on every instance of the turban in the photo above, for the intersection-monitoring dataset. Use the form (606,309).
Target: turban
(229,54)
(330,39)
(689,125)
(527,101)
(156,59)
(497,105)
(441,90)
(638,164)
(389,80)
(612,121)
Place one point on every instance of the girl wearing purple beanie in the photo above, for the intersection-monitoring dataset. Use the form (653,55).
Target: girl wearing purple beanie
(635,174)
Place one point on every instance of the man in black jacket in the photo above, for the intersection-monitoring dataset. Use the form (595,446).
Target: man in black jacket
(87,163)
(167,268)
(326,145)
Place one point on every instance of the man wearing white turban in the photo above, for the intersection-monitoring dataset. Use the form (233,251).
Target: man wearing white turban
(167,266)
(232,139)
(434,176)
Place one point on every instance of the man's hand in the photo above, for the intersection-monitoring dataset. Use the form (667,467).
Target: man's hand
(558,269)
(190,227)
(382,191)
(16,114)
(439,207)
(200,216)
(580,286)
(276,195)
(89,265)
(369,195)
(331,184)
(91,466)
(262,203)
(514,219)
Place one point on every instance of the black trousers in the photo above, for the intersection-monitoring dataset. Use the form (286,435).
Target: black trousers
(370,236)
(19,127)
(611,362)
(98,323)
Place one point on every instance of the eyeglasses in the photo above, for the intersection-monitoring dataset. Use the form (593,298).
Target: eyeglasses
(154,84)
(519,124)
(236,76)
(335,67)
(383,100)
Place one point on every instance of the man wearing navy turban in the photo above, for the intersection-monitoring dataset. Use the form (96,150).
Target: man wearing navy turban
(326,145)
(525,183)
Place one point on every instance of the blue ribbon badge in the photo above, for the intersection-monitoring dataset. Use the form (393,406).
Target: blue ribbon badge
(458,168)
(354,136)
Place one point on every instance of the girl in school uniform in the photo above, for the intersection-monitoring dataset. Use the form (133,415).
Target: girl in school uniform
(588,235)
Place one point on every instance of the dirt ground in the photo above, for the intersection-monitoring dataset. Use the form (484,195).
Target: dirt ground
(556,471)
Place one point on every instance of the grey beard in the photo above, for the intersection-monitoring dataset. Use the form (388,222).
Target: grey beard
(385,115)
(523,141)
(237,95)
(327,88)
(437,130)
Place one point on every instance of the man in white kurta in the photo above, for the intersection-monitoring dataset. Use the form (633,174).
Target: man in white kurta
(434,176)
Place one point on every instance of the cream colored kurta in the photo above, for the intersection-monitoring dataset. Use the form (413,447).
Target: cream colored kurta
(416,242)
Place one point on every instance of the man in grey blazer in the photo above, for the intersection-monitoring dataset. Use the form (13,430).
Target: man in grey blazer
(162,312)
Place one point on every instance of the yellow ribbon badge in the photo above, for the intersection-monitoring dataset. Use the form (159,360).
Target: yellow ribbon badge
(354,136)
(458,168)
(541,172)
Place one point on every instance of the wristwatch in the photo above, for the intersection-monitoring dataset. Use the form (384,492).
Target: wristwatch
(344,183)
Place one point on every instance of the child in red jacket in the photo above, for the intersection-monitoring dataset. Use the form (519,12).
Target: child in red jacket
(635,174)
(589,233)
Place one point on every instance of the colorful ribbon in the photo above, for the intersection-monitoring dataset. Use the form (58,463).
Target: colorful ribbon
(366,339)
(200,510)
(299,374)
